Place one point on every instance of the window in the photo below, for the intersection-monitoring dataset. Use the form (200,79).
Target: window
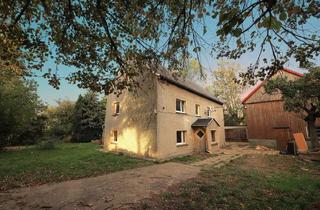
(115,136)
(209,111)
(213,136)
(181,137)
(116,108)
(180,106)
(200,134)
(197,109)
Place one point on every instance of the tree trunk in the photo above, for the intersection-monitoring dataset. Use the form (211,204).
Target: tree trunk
(313,134)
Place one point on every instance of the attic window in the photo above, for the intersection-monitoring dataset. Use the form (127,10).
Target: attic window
(200,134)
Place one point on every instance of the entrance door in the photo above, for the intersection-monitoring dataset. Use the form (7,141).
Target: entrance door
(200,140)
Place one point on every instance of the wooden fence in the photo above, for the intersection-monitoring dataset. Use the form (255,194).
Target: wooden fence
(236,133)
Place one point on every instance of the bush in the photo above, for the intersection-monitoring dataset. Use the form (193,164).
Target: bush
(47,144)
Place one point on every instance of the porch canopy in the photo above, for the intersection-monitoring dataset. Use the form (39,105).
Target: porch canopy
(203,122)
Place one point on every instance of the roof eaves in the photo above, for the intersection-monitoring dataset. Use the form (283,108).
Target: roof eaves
(252,92)
(202,122)
(178,84)
(262,83)
(293,72)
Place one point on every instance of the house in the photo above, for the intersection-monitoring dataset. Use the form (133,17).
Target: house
(267,122)
(166,117)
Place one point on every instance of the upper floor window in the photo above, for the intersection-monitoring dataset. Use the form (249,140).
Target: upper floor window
(209,111)
(116,108)
(180,106)
(197,109)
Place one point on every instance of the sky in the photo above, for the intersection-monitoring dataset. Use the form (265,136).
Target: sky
(68,91)
(71,92)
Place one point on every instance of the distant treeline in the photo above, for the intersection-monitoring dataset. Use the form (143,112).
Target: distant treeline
(25,119)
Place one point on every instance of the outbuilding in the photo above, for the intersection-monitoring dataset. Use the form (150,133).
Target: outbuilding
(268,123)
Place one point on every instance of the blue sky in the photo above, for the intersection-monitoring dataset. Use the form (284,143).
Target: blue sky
(66,91)
(70,91)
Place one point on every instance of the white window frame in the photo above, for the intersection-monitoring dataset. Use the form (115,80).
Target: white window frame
(215,139)
(182,105)
(183,134)
(115,105)
(115,140)
(197,109)
(209,109)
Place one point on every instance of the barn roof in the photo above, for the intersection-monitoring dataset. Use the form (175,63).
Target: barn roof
(187,85)
(255,88)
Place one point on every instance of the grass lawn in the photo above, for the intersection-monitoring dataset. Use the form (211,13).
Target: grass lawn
(188,159)
(253,182)
(68,161)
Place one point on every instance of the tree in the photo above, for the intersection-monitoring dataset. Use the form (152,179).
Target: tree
(284,28)
(194,72)
(88,118)
(225,87)
(60,119)
(301,96)
(19,111)
(110,43)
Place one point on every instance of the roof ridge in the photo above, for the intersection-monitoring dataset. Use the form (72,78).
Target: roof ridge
(258,85)
(191,87)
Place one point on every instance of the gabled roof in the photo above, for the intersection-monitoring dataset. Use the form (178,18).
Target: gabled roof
(203,122)
(252,91)
(187,85)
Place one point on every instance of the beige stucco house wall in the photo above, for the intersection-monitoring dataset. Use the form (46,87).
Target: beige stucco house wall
(147,124)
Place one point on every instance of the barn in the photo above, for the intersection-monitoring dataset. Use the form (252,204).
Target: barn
(268,123)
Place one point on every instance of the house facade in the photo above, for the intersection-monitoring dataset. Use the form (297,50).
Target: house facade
(267,122)
(166,117)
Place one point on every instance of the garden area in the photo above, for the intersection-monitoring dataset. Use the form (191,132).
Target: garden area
(34,166)
(252,182)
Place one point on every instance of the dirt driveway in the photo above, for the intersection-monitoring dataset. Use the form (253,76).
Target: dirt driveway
(103,192)
(118,189)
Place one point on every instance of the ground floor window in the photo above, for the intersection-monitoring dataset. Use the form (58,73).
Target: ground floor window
(213,136)
(115,136)
(181,137)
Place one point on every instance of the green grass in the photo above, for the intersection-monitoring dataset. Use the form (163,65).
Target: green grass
(254,182)
(67,161)
(192,158)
